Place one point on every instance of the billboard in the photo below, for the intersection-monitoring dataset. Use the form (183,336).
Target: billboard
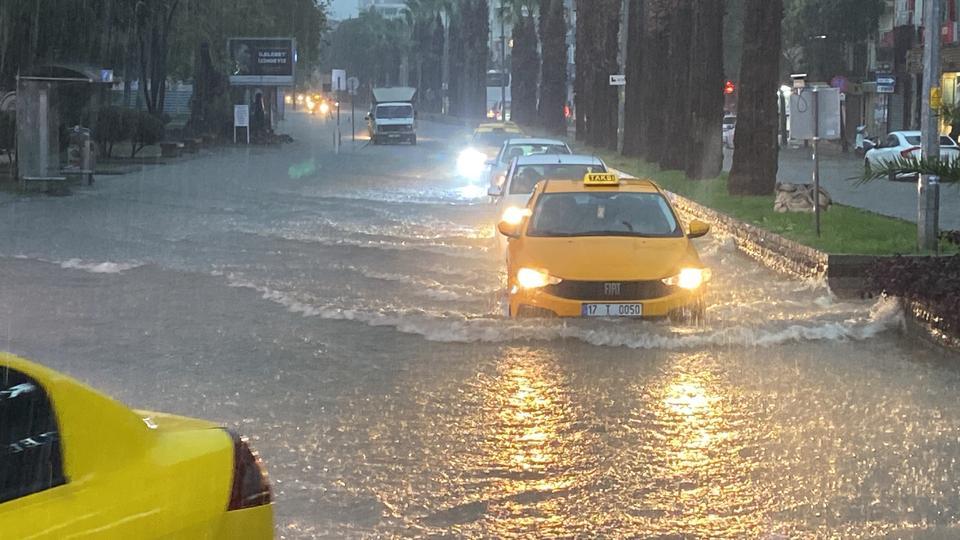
(262,61)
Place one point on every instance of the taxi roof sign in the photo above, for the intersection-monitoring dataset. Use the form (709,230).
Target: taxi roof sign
(601,179)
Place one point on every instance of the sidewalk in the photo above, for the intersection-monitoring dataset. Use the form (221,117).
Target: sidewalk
(895,199)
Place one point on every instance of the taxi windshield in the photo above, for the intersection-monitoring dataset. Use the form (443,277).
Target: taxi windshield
(525,177)
(492,138)
(603,214)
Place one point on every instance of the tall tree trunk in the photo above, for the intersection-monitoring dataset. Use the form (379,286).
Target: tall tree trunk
(553,81)
(607,99)
(654,90)
(523,69)
(633,104)
(705,153)
(677,127)
(581,59)
(599,23)
(754,169)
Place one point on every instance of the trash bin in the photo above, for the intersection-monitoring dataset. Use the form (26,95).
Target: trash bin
(81,154)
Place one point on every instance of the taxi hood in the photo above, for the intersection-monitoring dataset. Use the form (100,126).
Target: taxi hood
(589,258)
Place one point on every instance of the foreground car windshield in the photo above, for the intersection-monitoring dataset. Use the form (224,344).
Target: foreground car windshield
(527,176)
(603,214)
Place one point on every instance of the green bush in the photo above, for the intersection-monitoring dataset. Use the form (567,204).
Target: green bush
(113,126)
(147,129)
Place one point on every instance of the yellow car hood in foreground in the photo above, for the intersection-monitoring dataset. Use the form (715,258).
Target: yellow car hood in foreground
(600,258)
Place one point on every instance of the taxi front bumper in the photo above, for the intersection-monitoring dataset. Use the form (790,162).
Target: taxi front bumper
(540,303)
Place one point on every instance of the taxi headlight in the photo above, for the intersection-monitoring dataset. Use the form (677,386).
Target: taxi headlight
(514,215)
(528,278)
(689,278)
(471,163)
(324,108)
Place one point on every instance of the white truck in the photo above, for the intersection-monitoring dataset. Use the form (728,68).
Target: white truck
(393,116)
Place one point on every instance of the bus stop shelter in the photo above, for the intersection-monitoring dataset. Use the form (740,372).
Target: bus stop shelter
(38,118)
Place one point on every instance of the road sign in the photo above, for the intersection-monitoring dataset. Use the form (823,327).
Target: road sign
(803,125)
(886,83)
(338,80)
(241,116)
(936,98)
(241,119)
(618,80)
(353,84)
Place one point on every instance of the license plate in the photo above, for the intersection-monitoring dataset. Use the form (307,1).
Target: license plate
(612,310)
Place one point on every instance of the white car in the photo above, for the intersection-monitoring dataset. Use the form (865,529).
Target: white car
(525,172)
(729,129)
(905,144)
(518,147)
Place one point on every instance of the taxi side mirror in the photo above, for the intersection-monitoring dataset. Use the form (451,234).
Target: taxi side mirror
(508,229)
(495,191)
(697,229)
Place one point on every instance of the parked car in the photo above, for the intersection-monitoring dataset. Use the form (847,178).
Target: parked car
(729,127)
(905,144)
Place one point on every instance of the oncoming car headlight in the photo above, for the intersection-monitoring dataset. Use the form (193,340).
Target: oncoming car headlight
(528,278)
(689,278)
(470,163)
(324,108)
(514,215)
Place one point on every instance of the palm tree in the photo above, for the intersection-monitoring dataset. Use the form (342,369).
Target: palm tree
(654,90)
(598,22)
(705,152)
(676,129)
(553,66)
(633,104)
(524,63)
(430,21)
(754,170)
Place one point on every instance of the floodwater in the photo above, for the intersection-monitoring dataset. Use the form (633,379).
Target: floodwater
(345,312)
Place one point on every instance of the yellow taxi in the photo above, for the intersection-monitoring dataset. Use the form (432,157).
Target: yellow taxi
(475,161)
(74,463)
(603,247)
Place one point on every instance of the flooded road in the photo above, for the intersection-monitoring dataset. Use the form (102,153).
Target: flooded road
(345,312)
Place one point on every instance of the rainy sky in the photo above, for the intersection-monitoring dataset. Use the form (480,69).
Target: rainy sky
(343,9)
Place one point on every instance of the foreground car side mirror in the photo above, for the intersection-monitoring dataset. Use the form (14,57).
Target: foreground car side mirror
(697,229)
(508,229)
(495,191)
(868,145)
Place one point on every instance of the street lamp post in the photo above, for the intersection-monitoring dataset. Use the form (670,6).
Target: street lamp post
(445,67)
(928,186)
(503,68)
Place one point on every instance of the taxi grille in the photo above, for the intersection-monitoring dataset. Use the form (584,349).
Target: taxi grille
(609,290)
